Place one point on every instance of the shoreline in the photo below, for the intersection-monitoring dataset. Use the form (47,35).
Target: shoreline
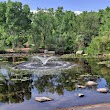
(101,106)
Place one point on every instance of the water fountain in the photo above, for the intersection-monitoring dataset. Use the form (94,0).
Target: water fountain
(44,63)
(44,59)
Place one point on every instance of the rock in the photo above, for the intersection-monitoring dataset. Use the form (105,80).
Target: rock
(67,81)
(79,52)
(80,86)
(73,80)
(43,99)
(80,95)
(51,52)
(103,90)
(85,54)
(86,75)
(91,83)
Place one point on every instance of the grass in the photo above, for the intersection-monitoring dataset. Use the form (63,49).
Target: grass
(73,56)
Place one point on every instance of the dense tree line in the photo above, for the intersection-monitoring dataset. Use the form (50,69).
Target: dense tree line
(59,30)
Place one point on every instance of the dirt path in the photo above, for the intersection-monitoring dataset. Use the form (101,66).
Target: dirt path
(89,107)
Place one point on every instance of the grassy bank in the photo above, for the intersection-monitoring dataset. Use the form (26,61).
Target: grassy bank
(73,56)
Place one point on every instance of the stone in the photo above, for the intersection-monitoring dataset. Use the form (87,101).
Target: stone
(80,86)
(91,83)
(43,99)
(85,54)
(51,52)
(79,52)
(80,95)
(103,90)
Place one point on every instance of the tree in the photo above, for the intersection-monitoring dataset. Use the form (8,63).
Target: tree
(105,21)
(88,26)
(13,12)
(18,22)
(2,22)
(42,27)
(2,13)
(99,45)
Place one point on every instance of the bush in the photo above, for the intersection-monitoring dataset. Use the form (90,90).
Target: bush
(2,52)
(33,50)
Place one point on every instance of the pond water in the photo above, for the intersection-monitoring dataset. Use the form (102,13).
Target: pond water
(18,89)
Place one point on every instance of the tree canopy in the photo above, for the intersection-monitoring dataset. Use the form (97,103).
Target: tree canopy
(59,30)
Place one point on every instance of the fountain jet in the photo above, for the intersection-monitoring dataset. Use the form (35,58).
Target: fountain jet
(43,59)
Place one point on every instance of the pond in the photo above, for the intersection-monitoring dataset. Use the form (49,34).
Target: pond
(18,88)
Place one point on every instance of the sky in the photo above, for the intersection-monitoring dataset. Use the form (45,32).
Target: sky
(73,5)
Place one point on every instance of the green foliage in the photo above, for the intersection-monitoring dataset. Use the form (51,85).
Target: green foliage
(59,30)
(94,46)
(99,45)
(15,19)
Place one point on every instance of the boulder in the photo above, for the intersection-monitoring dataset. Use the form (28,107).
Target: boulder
(42,99)
(91,83)
(103,90)
(80,95)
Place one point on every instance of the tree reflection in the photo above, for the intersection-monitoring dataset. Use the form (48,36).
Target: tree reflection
(87,71)
(15,86)
(13,90)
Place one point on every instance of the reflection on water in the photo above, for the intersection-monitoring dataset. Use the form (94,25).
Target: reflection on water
(18,88)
